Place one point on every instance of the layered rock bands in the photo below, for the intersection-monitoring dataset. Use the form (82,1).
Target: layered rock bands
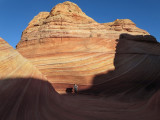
(65,46)
(69,47)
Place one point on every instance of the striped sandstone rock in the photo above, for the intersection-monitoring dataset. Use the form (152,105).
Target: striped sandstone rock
(69,47)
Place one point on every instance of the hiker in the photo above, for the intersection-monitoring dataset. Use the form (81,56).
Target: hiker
(75,88)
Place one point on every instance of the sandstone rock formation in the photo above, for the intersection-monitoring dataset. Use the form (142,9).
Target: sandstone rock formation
(25,95)
(24,91)
(124,26)
(69,47)
(14,65)
(136,72)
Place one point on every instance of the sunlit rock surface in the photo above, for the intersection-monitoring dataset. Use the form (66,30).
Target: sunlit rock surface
(26,95)
(137,67)
(69,47)
(124,26)
(14,65)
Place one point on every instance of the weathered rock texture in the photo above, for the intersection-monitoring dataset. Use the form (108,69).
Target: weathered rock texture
(25,95)
(137,67)
(124,26)
(14,65)
(69,47)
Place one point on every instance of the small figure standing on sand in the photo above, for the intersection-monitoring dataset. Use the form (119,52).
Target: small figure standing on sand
(75,88)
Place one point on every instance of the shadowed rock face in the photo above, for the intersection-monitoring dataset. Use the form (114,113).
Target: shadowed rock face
(122,67)
(136,74)
(24,97)
(69,47)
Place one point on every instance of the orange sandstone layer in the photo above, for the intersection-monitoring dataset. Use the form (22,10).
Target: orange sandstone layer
(69,47)
(137,69)
(14,65)
(24,95)
(65,64)
(123,67)
(66,20)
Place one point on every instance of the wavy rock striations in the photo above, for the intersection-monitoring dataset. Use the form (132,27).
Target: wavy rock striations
(137,68)
(14,65)
(24,95)
(69,47)
(124,26)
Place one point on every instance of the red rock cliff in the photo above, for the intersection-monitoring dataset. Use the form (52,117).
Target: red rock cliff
(69,47)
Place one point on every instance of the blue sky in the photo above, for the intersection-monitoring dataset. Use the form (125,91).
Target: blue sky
(16,14)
